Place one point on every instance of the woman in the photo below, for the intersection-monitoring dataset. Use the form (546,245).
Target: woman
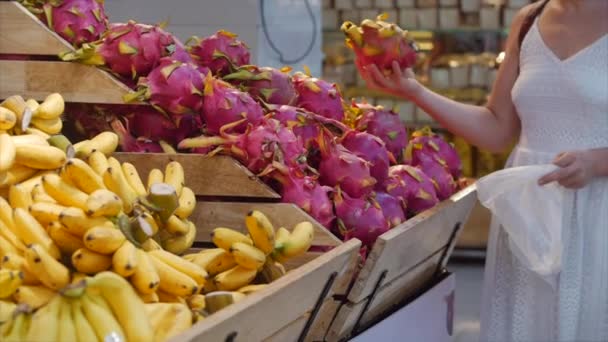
(552,92)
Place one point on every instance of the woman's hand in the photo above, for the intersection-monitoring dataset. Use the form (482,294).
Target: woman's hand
(577,168)
(399,83)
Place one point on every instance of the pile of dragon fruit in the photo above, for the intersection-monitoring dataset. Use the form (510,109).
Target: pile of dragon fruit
(352,166)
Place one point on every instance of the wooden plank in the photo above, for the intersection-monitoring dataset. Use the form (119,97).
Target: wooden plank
(290,332)
(206,176)
(75,82)
(22,33)
(258,317)
(210,215)
(406,245)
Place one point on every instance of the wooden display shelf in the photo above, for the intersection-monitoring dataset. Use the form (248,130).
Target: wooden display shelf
(22,37)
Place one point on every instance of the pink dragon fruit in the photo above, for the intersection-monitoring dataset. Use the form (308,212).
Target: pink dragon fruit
(223,104)
(318,96)
(130,50)
(306,193)
(442,179)
(270,85)
(147,122)
(77,21)
(413,186)
(130,144)
(360,218)
(173,87)
(221,52)
(88,120)
(370,148)
(425,142)
(392,208)
(384,124)
(341,167)
(380,43)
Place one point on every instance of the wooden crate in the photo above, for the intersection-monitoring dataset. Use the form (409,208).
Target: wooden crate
(402,262)
(22,37)
(300,305)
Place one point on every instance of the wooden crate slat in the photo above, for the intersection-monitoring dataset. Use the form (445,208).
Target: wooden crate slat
(262,314)
(209,215)
(75,82)
(406,245)
(22,33)
(206,176)
(290,332)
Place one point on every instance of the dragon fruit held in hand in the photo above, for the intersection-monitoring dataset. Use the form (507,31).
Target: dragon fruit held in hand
(223,104)
(380,43)
(413,186)
(360,218)
(392,208)
(221,52)
(130,144)
(425,142)
(341,167)
(319,96)
(173,87)
(130,50)
(370,148)
(77,21)
(385,124)
(270,85)
(442,179)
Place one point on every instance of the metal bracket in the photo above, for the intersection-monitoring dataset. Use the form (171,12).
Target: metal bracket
(315,311)
(449,247)
(370,299)
(231,337)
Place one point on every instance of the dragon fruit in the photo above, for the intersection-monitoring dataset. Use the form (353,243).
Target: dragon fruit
(173,87)
(306,193)
(360,218)
(77,21)
(221,52)
(442,179)
(88,120)
(413,186)
(223,104)
(384,124)
(392,208)
(130,144)
(380,43)
(149,123)
(130,49)
(425,142)
(370,148)
(270,85)
(341,167)
(318,96)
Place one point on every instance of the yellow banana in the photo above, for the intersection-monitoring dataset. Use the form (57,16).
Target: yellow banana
(6,312)
(67,328)
(102,319)
(84,331)
(154,177)
(16,262)
(89,262)
(146,278)
(52,273)
(166,297)
(148,297)
(173,281)
(105,142)
(18,327)
(166,147)
(31,232)
(49,126)
(261,231)
(10,280)
(234,278)
(133,179)
(29,139)
(174,176)
(32,130)
(34,180)
(103,239)
(299,240)
(124,260)
(249,289)
(187,202)
(39,195)
(281,237)
(209,287)
(51,108)
(16,104)
(16,174)
(45,212)
(151,222)
(196,302)
(150,245)
(214,261)
(32,104)
(8,152)
(83,149)
(5,246)
(67,242)
(225,237)
(6,213)
(180,244)
(238,296)
(103,202)
(168,319)
(64,193)
(176,226)
(8,119)
(18,197)
(34,296)
(77,222)
(248,256)
(115,180)
(98,162)
(83,176)
(8,237)
(188,268)
(125,304)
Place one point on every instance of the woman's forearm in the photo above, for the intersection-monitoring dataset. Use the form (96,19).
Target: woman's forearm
(600,156)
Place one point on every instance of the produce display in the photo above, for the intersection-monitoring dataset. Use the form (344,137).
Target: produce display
(89,251)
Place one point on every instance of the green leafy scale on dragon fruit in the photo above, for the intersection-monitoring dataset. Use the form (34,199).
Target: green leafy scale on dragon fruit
(360,218)
(425,142)
(77,21)
(385,124)
(413,186)
(270,85)
(370,148)
(392,208)
(221,53)
(318,96)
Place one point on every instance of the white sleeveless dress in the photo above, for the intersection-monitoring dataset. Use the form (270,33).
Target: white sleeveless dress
(563,106)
